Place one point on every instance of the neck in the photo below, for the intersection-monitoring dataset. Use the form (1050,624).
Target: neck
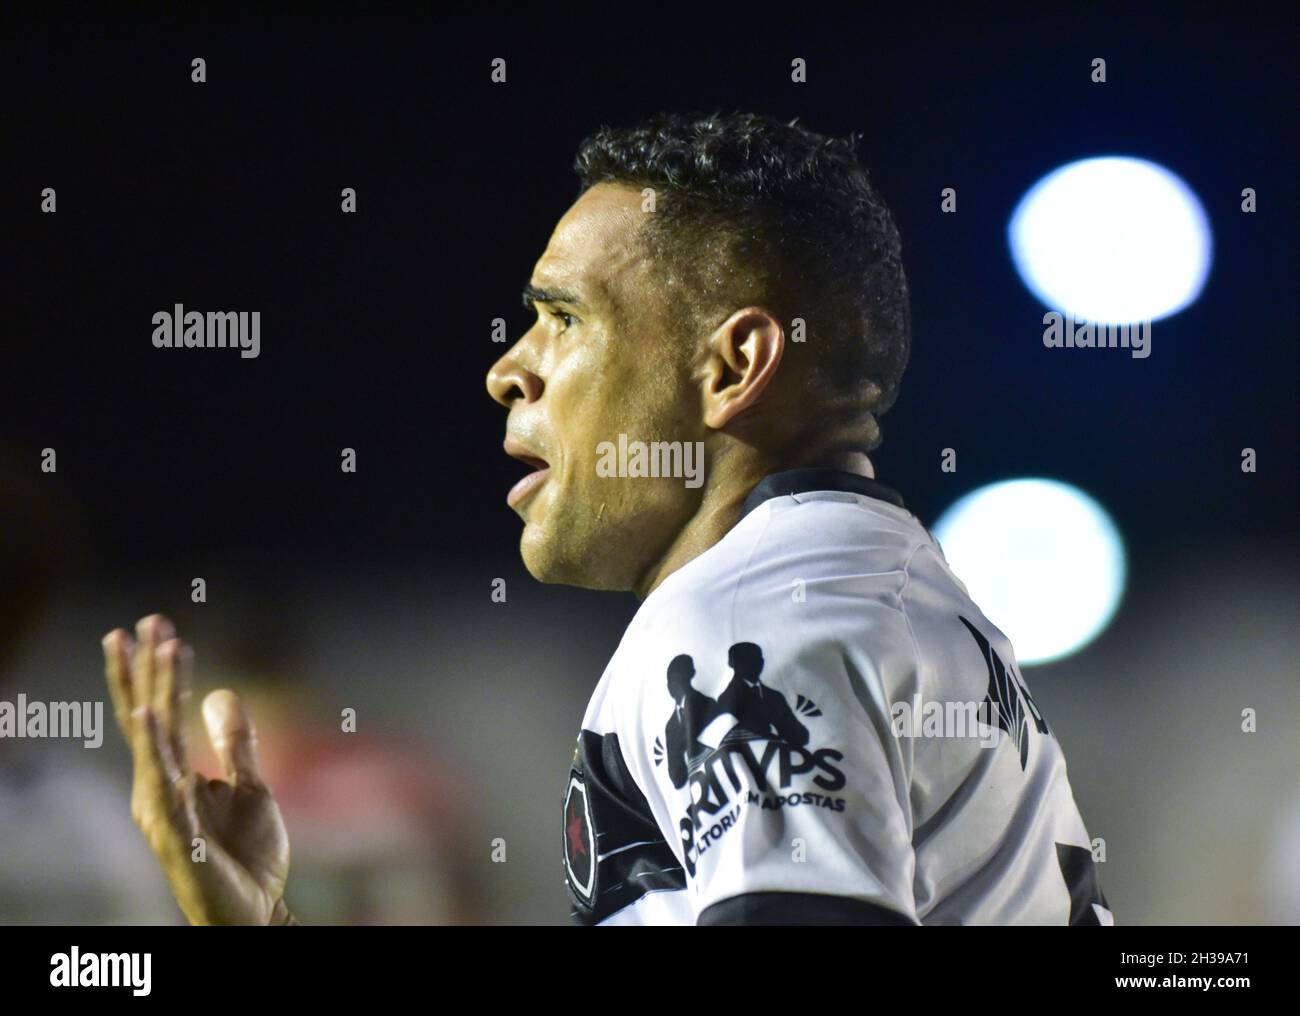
(720,508)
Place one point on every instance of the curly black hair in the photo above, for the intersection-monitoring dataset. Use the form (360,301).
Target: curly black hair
(751,209)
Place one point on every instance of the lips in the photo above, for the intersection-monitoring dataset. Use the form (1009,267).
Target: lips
(541,469)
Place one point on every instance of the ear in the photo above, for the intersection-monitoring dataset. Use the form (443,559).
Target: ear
(741,360)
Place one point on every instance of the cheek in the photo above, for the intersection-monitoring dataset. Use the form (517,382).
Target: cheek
(593,396)
(597,393)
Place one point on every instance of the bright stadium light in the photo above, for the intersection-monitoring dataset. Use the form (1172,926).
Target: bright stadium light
(1111,240)
(1043,561)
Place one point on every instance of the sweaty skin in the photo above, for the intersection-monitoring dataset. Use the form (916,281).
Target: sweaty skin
(611,353)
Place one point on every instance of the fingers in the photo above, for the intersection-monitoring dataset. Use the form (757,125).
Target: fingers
(118,648)
(233,739)
(134,672)
(173,665)
(150,632)
(157,801)
(148,678)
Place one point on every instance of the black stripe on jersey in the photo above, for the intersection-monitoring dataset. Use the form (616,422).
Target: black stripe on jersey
(632,857)
(1080,873)
(800,909)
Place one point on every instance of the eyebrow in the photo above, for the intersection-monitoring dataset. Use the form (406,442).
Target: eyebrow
(533,294)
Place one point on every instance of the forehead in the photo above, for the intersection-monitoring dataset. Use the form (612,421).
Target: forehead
(594,247)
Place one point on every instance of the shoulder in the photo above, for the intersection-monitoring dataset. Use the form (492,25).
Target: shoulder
(809,578)
(824,542)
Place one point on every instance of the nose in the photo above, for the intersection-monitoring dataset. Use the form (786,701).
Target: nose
(508,381)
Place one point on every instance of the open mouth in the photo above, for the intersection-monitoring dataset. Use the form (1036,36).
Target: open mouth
(525,487)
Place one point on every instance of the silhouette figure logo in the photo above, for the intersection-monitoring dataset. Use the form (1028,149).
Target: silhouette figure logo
(760,711)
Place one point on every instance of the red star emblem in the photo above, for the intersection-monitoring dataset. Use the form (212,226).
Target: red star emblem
(577,843)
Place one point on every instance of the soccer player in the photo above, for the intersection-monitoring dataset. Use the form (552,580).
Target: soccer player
(808,720)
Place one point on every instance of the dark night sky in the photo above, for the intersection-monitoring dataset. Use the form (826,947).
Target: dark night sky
(375,326)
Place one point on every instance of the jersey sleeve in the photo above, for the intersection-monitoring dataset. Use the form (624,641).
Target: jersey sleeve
(769,765)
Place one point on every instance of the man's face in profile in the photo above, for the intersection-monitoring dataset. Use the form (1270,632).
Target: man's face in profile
(606,356)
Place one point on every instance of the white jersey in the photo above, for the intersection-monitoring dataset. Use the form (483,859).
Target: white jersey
(811,722)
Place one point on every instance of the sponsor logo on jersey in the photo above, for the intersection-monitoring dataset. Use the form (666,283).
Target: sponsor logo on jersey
(758,761)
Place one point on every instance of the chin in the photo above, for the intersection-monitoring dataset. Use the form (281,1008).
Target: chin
(551,563)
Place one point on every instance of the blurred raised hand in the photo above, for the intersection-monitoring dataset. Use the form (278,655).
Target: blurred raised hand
(233,823)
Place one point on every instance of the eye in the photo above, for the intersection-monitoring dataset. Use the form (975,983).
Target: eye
(564,317)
